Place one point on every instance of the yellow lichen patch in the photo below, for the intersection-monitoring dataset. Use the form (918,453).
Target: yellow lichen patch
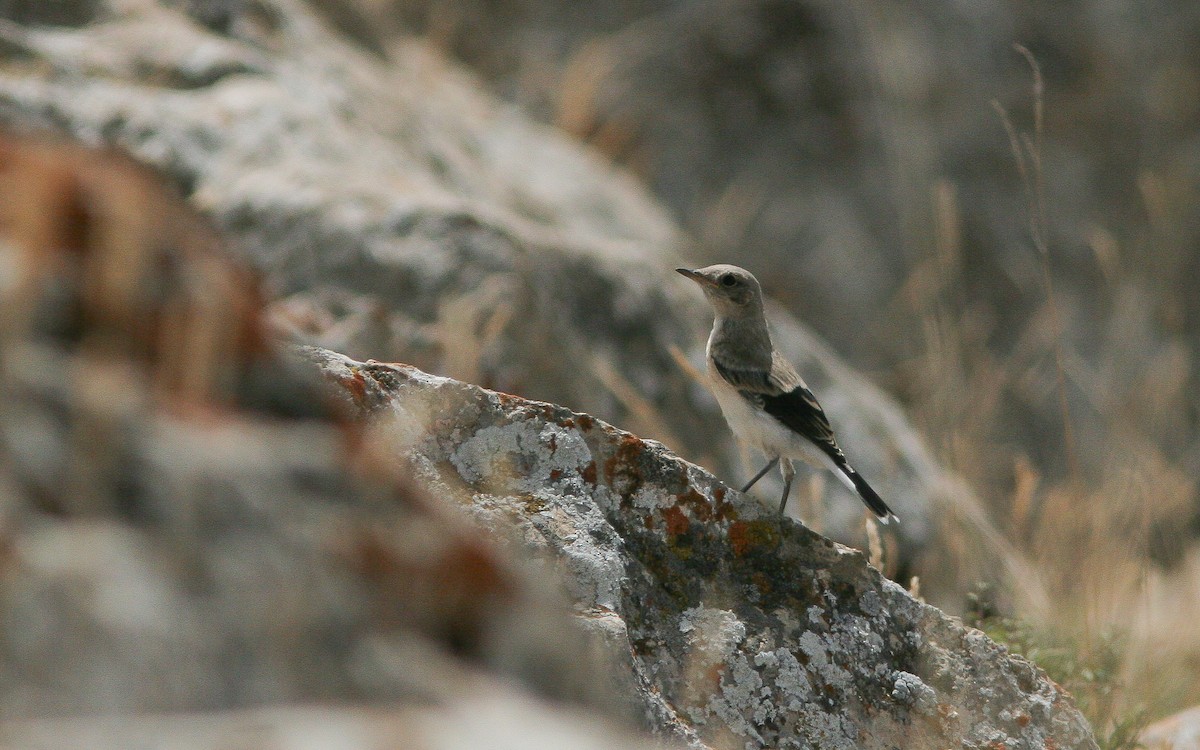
(747,535)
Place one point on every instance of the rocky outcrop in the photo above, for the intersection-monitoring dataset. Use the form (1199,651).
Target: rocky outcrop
(193,525)
(739,628)
(399,213)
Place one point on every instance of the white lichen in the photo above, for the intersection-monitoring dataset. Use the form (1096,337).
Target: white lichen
(816,649)
(910,690)
(740,694)
(712,634)
(651,498)
(522,457)
(870,603)
(792,686)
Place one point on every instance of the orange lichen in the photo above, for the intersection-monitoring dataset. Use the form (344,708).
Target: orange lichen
(695,502)
(739,537)
(357,387)
(622,460)
(744,536)
(677,522)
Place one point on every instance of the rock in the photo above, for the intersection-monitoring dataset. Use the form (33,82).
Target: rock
(190,522)
(480,714)
(741,628)
(406,216)
(399,213)
(193,525)
(1180,731)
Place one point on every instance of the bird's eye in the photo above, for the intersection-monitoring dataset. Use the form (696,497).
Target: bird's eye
(728,280)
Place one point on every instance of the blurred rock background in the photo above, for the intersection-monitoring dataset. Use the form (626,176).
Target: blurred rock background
(211,538)
(206,545)
(199,543)
(397,211)
(1020,282)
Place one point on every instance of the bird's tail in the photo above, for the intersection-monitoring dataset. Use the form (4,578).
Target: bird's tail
(870,497)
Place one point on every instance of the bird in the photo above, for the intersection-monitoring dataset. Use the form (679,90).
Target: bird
(765,401)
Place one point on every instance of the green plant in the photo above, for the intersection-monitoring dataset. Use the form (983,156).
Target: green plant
(1089,668)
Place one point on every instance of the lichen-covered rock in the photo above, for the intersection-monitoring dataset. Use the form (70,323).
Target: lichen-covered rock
(400,213)
(192,523)
(740,628)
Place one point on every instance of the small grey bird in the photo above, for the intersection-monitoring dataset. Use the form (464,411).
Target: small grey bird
(763,398)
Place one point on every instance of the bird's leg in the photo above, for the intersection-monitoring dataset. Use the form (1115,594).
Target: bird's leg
(770,465)
(789,474)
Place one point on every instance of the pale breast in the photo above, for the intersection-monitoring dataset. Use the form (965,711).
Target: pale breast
(752,426)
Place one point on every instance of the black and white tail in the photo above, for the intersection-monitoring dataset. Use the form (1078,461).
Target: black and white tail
(870,496)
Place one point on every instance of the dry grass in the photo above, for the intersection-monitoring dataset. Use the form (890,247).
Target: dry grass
(1106,537)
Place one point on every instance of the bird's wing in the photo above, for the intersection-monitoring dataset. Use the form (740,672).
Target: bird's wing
(799,411)
(781,393)
(751,382)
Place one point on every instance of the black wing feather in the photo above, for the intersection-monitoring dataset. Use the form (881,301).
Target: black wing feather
(797,409)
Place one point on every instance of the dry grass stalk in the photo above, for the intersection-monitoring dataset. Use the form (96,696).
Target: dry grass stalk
(646,418)
(874,545)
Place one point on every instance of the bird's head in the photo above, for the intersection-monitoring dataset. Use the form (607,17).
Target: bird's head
(732,291)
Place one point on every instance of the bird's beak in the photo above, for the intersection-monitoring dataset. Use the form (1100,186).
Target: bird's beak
(698,278)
